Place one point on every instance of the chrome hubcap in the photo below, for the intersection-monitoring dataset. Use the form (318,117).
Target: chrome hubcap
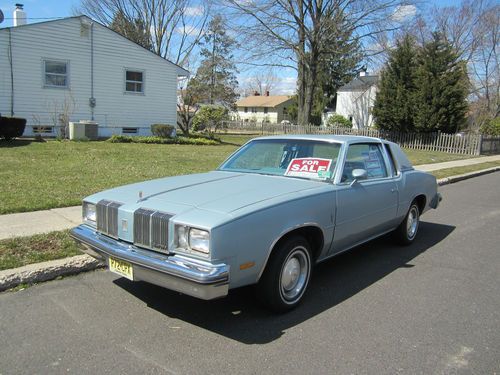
(294,274)
(412,223)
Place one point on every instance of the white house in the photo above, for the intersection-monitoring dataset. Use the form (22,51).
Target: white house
(267,108)
(355,100)
(78,69)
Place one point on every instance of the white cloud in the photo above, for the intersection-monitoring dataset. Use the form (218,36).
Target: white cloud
(194,11)
(285,86)
(189,30)
(402,12)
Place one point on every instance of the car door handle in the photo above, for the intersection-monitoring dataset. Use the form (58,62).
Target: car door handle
(393,190)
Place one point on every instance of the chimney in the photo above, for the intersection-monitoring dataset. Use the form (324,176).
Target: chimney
(19,15)
(267,93)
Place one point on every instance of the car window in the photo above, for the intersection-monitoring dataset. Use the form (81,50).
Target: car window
(366,156)
(286,157)
(392,163)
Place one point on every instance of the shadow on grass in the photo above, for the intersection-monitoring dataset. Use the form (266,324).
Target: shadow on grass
(241,318)
(14,143)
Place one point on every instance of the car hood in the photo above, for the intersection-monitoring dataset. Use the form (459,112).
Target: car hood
(221,192)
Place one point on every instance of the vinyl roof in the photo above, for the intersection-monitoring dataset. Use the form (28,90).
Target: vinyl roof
(325,137)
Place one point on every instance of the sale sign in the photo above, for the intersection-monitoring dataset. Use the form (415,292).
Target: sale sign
(309,168)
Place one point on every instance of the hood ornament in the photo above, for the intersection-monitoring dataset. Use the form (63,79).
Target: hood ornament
(140,194)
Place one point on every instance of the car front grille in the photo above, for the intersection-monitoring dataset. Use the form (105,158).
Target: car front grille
(151,229)
(107,217)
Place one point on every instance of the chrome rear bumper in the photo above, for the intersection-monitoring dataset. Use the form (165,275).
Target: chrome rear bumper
(195,278)
(436,200)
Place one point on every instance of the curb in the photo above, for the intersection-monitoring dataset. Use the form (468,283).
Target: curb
(45,271)
(465,176)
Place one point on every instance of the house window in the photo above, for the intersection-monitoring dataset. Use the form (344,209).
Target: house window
(254,110)
(130,130)
(265,109)
(43,129)
(55,73)
(246,109)
(134,81)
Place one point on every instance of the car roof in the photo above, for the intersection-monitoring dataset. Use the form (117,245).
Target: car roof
(325,138)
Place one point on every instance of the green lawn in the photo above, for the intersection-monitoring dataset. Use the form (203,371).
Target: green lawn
(42,175)
(36,176)
(442,173)
(20,251)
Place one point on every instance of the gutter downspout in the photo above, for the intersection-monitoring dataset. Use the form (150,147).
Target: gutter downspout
(11,75)
(92,101)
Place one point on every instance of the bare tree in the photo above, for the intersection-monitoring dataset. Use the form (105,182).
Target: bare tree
(175,27)
(187,107)
(261,82)
(60,113)
(298,33)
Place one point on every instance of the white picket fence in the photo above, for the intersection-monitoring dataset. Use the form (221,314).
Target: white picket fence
(468,144)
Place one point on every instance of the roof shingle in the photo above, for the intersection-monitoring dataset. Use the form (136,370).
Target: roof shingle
(263,101)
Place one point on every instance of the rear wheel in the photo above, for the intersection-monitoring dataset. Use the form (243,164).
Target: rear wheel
(287,275)
(407,230)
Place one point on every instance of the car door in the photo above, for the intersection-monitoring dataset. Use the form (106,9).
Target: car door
(368,207)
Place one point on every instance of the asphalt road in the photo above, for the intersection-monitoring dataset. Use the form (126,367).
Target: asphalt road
(431,308)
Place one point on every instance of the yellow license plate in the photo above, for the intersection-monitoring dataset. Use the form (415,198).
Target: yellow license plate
(121,268)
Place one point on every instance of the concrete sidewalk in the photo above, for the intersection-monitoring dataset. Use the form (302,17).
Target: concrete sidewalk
(29,223)
(456,163)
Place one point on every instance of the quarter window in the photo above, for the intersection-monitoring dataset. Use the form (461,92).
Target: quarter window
(55,73)
(366,156)
(134,81)
(391,160)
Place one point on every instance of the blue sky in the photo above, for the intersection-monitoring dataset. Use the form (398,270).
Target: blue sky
(41,10)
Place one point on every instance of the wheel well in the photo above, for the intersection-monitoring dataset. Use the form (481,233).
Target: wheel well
(312,234)
(421,200)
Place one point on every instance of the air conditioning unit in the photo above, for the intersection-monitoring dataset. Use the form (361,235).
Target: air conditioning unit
(83,130)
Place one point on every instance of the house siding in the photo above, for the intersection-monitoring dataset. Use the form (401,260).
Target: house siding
(273,115)
(358,106)
(113,54)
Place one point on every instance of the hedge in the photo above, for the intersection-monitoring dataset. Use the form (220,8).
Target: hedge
(11,127)
(160,140)
(163,130)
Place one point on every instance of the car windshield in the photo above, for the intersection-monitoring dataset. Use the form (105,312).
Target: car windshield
(286,157)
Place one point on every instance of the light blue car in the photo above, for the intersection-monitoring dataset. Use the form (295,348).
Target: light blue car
(272,210)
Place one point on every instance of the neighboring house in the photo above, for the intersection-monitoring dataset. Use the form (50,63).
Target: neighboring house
(78,69)
(355,100)
(265,108)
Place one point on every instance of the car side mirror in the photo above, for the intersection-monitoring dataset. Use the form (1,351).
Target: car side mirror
(358,175)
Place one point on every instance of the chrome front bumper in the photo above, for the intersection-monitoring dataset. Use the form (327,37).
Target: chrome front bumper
(195,278)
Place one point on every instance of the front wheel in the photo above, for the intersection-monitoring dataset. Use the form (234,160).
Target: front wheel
(407,230)
(287,275)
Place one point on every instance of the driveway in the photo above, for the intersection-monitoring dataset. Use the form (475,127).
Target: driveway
(431,308)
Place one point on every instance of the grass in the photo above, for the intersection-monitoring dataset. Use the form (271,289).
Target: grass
(42,175)
(36,176)
(442,173)
(418,157)
(20,251)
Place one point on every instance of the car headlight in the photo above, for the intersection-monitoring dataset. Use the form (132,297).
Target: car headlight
(89,213)
(192,239)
